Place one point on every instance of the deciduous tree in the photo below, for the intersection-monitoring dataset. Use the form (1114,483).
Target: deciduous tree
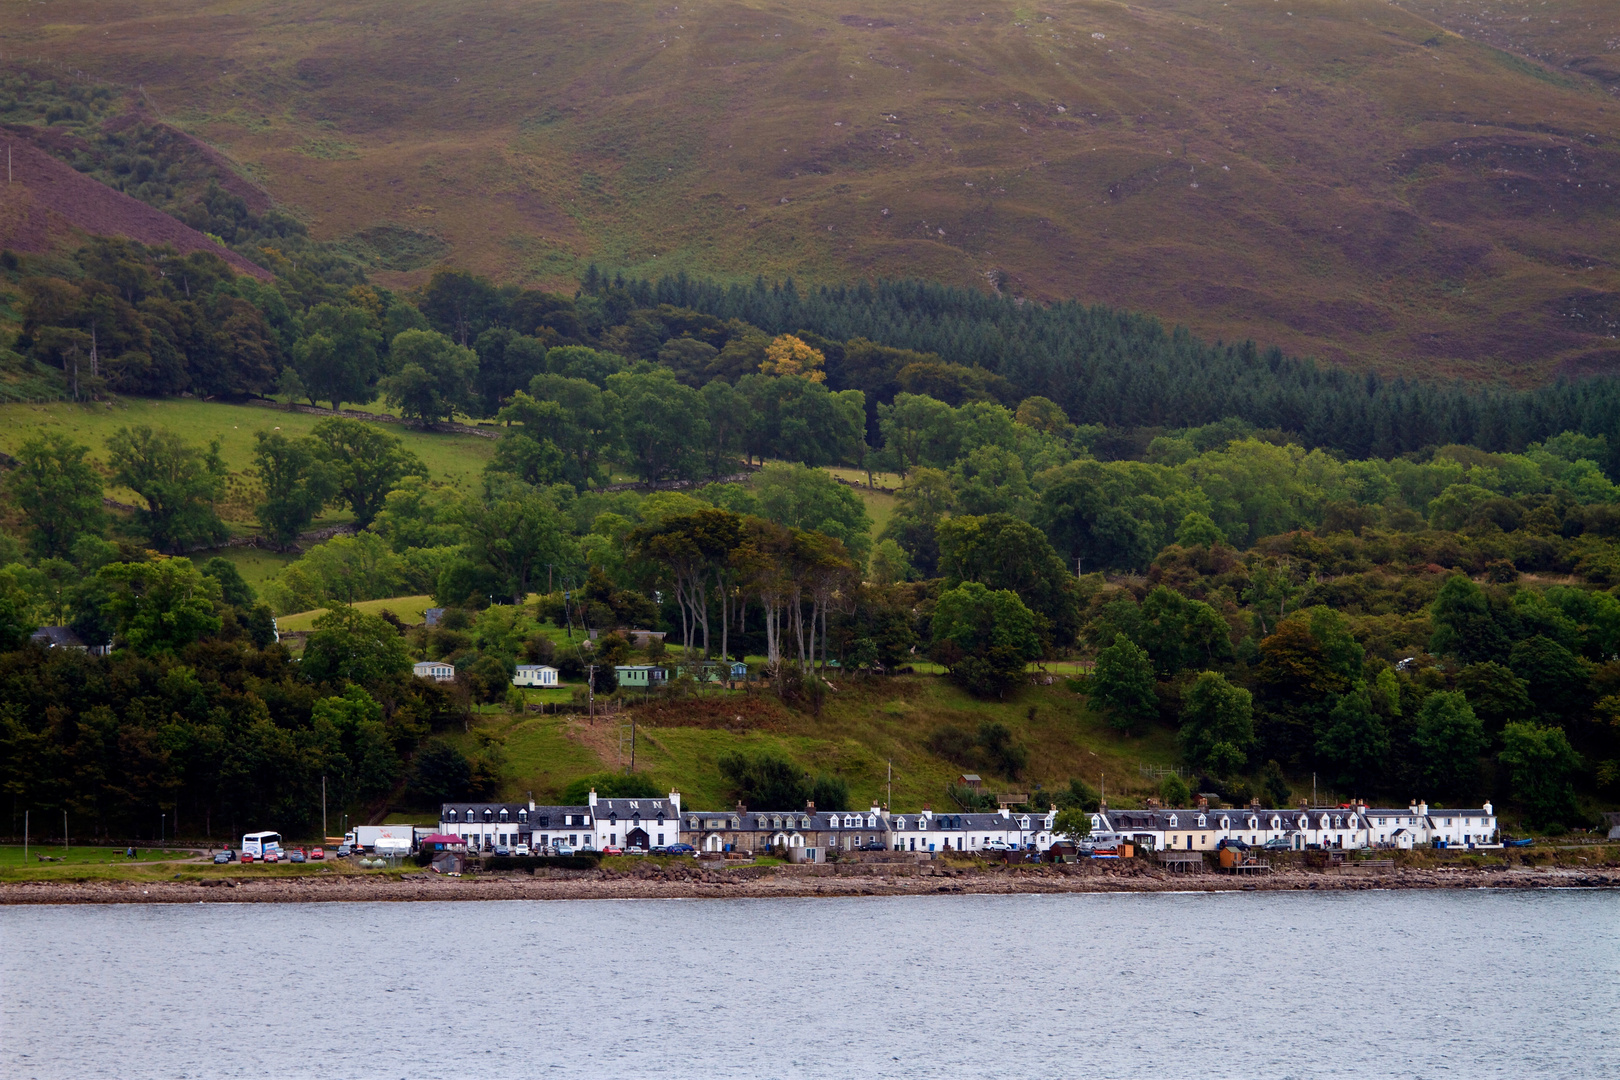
(59,493)
(179,482)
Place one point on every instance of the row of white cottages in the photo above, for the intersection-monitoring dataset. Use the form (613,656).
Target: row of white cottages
(648,823)
(1337,827)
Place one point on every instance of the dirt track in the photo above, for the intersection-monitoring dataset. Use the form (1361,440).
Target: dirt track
(760,882)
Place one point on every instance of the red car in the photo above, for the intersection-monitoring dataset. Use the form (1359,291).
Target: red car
(610,850)
(247,858)
(271,856)
(317,853)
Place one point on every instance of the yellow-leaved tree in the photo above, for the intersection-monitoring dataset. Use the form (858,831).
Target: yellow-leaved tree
(788,355)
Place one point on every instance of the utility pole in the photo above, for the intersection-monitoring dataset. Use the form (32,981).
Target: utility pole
(163,821)
(632,742)
(25,813)
(323,810)
(64,833)
(1313,789)
(591,689)
(890,803)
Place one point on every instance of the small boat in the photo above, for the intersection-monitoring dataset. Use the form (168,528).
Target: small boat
(1526,842)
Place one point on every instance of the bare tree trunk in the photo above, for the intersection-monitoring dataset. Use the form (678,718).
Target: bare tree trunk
(681,603)
(797,603)
(815,608)
(700,609)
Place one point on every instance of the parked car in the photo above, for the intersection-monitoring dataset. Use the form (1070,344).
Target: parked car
(680,849)
(1276,843)
(611,850)
(317,853)
(1232,842)
(878,845)
(502,849)
(521,849)
(997,845)
(345,850)
(562,849)
(297,856)
(272,856)
(247,858)
(221,857)
(635,851)
(587,849)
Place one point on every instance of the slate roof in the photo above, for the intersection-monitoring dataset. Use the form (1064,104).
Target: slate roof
(556,817)
(56,637)
(474,811)
(628,809)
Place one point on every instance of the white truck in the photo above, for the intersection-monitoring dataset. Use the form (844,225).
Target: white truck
(383,839)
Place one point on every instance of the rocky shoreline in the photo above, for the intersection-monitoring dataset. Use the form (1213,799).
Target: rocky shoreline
(684,883)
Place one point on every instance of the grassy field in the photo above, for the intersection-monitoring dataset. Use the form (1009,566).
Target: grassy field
(109,864)
(13,857)
(408,608)
(1426,187)
(256,565)
(864,727)
(454,458)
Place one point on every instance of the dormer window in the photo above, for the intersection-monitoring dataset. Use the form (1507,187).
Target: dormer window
(1173,821)
(1202,822)
(736,823)
(450,816)
(504,814)
(489,815)
(523,815)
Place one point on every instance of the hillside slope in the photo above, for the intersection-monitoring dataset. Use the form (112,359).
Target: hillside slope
(1340,177)
(45,202)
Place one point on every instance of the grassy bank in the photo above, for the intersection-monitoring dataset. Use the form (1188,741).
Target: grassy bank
(865,726)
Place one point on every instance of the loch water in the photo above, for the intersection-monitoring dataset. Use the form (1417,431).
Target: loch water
(1454,983)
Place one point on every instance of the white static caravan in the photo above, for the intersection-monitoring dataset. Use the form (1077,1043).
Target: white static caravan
(539,675)
(436,670)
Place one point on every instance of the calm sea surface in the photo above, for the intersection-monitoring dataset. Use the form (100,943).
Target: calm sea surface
(1397,984)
